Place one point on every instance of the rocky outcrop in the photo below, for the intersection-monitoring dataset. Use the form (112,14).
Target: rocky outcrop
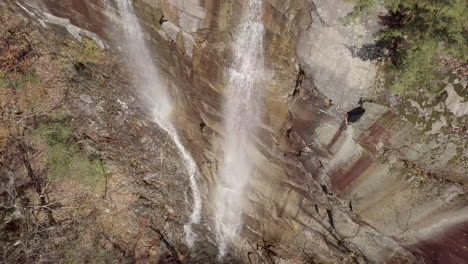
(379,189)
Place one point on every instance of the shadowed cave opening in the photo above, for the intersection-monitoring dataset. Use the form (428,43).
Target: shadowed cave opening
(355,114)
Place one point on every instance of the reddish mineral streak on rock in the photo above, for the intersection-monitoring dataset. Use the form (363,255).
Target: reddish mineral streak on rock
(340,181)
(378,132)
(450,247)
(337,135)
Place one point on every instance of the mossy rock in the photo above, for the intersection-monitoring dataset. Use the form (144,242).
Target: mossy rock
(85,52)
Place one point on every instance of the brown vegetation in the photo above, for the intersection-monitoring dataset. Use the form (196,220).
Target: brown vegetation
(58,202)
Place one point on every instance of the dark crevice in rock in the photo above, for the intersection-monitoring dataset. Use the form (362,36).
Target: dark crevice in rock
(314,9)
(321,164)
(296,91)
(316,208)
(202,126)
(288,132)
(362,101)
(299,79)
(79,67)
(330,218)
(333,236)
(174,257)
(355,114)
(162,20)
(324,188)
(144,200)
(442,96)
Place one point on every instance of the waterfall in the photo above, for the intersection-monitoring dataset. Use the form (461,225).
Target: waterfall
(156,96)
(242,116)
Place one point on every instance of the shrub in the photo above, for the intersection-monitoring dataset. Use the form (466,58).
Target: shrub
(85,52)
(423,31)
(56,133)
(92,52)
(19,80)
(432,29)
(419,68)
(66,160)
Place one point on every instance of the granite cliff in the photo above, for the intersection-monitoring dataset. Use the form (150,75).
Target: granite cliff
(347,171)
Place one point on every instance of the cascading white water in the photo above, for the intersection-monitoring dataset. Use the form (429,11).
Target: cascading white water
(156,96)
(242,116)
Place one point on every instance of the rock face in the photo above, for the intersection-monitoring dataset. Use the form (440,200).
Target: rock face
(378,190)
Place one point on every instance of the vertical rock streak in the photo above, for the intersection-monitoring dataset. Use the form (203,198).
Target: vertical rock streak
(156,97)
(242,117)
